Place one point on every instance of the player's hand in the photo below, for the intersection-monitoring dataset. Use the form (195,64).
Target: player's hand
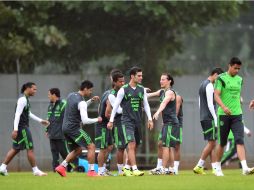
(251,106)
(147,89)
(99,119)
(156,116)
(14,135)
(45,123)
(226,111)
(47,134)
(110,125)
(249,134)
(150,125)
(95,98)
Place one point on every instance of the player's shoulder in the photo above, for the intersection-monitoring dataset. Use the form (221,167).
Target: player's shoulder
(125,86)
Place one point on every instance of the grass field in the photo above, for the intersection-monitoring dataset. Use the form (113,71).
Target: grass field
(79,181)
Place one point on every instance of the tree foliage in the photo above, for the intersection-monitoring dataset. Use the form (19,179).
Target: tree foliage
(70,33)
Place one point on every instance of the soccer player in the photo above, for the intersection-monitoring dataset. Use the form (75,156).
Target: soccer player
(131,97)
(118,82)
(21,135)
(77,138)
(178,136)
(170,124)
(227,93)
(208,120)
(54,132)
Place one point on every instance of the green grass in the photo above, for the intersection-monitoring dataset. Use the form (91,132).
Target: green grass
(78,181)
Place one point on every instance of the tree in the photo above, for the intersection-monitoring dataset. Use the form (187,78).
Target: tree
(143,31)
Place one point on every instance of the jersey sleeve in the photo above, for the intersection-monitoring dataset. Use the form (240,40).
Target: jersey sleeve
(218,84)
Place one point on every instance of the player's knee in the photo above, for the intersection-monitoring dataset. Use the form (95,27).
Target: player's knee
(239,141)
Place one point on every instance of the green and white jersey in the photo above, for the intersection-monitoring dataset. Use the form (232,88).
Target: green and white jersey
(230,88)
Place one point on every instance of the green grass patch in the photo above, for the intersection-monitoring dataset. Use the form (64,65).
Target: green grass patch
(186,180)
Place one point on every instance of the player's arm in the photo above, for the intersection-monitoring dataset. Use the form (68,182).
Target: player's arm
(169,96)
(21,104)
(251,105)
(153,94)
(90,101)
(112,100)
(82,106)
(119,98)
(178,103)
(148,111)
(108,109)
(209,98)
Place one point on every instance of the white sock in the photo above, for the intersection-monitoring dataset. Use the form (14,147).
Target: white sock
(201,163)
(176,165)
(64,163)
(244,165)
(35,169)
(3,166)
(100,170)
(120,168)
(90,166)
(218,166)
(213,165)
(104,165)
(128,167)
(134,167)
(159,163)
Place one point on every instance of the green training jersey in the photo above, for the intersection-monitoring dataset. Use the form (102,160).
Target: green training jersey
(230,88)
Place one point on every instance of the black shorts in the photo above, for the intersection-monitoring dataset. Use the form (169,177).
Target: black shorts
(24,139)
(103,136)
(120,141)
(209,130)
(169,135)
(233,122)
(179,135)
(77,138)
(132,132)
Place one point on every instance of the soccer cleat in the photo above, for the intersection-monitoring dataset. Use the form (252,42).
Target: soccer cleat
(3,172)
(127,172)
(159,171)
(61,170)
(92,173)
(249,171)
(108,172)
(152,171)
(39,173)
(103,174)
(219,173)
(170,171)
(138,173)
(199,170)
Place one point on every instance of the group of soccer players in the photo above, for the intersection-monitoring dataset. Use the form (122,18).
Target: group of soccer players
(120,120)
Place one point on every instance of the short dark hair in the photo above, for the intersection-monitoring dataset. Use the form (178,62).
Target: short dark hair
(217,70)
(116,76)
(86,84)
(113,71)
(135,70)
(169,77)
(235,60)
(27,85)
(55,91)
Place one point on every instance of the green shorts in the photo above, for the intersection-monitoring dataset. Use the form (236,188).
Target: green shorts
(24,139)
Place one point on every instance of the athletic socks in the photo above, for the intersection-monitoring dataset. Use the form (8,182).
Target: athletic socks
(128,167)
(120,168)
(64,163)
(244,165)
(90,166)
(100,170)
(201,163)
(35,169)
(134,167)
(3,166)
(159,163)
(213,165)
(176,165)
